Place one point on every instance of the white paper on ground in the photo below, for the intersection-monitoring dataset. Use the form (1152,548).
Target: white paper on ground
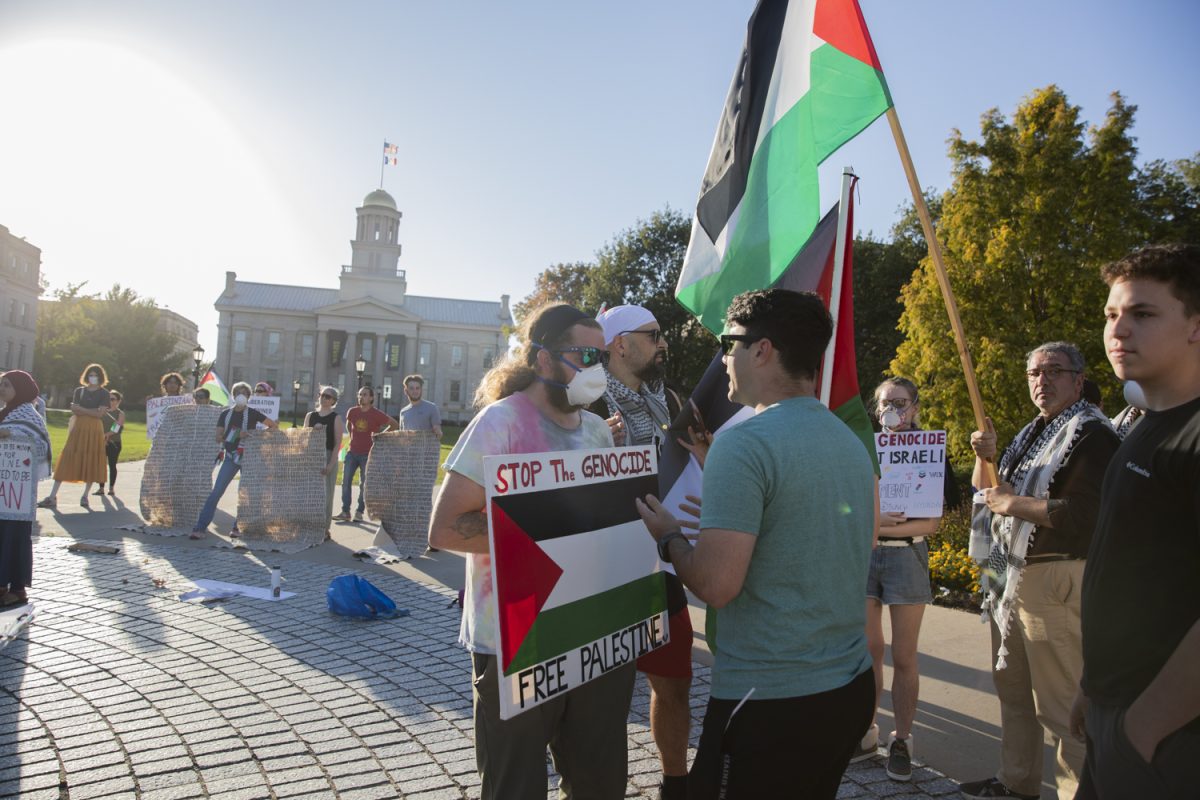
(217,590)
(13,621)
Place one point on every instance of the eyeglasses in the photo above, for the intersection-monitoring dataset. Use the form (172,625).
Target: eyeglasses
(1051,373)
(729,340)
(655,335)
(898,403)
(328,397)
(260,391)
(588,356)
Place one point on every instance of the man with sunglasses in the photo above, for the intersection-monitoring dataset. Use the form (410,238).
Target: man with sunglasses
(789,513)
(535,401)
(1040,520)
(644,406)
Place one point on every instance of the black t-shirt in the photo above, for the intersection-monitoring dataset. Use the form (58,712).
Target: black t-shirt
(1140,588)
(312,419)
(231,420)
(91,398)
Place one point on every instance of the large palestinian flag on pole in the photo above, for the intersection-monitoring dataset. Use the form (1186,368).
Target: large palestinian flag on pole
(574,570)
(808,81)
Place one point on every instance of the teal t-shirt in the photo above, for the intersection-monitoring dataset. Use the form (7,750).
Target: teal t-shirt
(799,480)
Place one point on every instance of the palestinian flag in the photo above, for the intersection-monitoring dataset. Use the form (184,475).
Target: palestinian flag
(217,392)
(808,81)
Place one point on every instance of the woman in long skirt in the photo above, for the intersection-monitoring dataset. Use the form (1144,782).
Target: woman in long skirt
(20,421)
(83,458)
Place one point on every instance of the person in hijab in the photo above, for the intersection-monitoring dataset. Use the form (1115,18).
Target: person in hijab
(19,420)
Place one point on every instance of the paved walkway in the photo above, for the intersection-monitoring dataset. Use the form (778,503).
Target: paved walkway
(119,689)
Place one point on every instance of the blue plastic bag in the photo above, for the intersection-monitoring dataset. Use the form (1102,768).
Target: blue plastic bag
(354,596)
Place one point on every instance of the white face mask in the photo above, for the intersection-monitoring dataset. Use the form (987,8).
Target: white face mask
(240,400)
(1134,395)
(890,418)
(93,380)
(586,385)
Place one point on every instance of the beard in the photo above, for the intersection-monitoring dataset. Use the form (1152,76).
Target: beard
(653,370)
(557,394)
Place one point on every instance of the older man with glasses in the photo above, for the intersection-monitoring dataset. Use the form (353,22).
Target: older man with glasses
(1040,520)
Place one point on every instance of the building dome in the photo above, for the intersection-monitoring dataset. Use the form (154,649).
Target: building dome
(380,198)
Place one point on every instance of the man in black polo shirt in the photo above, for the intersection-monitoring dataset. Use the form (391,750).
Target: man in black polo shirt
(1141,611)
(1041,520)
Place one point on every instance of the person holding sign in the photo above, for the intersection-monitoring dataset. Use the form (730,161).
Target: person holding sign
(326,416)
(234,424)
(20,422)
(362,423)
(534,401)
(790,509)
(899,579)
(82,458)
(114,421)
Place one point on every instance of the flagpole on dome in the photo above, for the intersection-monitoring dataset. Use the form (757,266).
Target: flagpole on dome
(383,163)
(943,279)
(835,287)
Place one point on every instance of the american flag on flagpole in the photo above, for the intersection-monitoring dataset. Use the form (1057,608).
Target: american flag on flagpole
(390,149)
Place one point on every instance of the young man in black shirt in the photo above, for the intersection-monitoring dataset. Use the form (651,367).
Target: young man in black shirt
(1140,699)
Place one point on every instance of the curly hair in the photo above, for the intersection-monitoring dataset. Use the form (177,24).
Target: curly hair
(162,382)
(1177,265)
(797,323)
(547,327)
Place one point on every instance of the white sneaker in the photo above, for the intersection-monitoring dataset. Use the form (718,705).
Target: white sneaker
(868,747)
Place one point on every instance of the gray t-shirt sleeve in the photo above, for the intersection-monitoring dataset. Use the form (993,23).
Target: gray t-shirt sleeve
(734,486)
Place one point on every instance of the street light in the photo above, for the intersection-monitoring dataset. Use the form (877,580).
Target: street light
(197,357)
(295,401)
(360,366)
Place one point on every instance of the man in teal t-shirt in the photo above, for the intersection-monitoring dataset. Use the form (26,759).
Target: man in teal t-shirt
(785,540)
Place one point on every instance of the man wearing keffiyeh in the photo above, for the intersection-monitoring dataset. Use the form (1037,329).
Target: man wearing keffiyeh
(636,392)
(1040,520)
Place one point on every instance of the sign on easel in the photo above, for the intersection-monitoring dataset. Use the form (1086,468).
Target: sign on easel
(574,571)
(912,472)
(16,480)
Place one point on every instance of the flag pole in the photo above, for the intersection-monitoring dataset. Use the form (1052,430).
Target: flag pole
(835,288)
(383,163)
(939,267)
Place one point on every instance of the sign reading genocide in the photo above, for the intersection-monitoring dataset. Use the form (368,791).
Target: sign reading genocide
(16,480)
(155,407)
(574,571)
(912,471)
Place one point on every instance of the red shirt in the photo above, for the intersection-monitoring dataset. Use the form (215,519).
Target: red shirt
(361,425)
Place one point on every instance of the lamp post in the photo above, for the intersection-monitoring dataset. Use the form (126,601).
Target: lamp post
(197,357)
(295,401)
(360,366)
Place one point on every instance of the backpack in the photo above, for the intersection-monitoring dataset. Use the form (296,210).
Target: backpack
(355,596)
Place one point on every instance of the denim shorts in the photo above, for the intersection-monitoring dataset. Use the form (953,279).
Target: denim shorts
(900,575)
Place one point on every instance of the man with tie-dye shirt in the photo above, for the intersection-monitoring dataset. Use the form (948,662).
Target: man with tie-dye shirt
(535,402)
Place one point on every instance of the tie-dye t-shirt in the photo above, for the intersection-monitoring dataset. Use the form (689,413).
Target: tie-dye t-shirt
(511,425)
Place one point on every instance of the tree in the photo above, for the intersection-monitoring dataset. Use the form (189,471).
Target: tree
(880,271)
(1169,195)
(561,283)
(642,265)
(1035,207)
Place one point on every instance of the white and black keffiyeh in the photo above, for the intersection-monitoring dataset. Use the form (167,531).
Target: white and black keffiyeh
(644,412)
(1029,464)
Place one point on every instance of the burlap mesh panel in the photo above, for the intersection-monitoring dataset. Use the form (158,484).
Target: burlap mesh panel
(401,470)
(178,473)
(281,491)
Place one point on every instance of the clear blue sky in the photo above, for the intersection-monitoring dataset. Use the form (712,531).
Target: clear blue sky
(158,144)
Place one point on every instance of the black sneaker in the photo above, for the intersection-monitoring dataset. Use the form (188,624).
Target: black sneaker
(899,761)
(983,790)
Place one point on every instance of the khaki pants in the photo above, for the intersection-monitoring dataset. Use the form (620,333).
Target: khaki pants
(1036,689)
(585,730)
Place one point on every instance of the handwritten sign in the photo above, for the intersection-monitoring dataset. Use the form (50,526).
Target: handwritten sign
(574,571)
(912,472)
(155,407)
(16,480)
(267,406)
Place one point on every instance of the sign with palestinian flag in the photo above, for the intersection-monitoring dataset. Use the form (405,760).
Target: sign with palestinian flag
(808,81)
(574,571)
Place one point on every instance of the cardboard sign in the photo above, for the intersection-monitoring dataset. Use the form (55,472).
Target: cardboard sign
(155,407)
(16,480)
(267,406)
(574,570)
(912,472)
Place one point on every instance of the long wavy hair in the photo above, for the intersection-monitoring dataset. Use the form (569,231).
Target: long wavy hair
(548,327)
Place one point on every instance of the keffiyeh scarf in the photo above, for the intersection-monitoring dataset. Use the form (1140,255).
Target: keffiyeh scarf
(26,422)
(1029,464)
(645,411)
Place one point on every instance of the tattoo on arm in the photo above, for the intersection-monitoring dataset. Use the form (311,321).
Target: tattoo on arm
(471,524)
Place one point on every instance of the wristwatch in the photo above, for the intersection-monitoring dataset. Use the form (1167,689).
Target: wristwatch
(664,545)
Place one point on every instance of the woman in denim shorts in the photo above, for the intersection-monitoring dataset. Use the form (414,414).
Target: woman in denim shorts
(899,579)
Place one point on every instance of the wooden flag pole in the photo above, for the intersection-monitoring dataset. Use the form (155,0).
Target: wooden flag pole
(935,252)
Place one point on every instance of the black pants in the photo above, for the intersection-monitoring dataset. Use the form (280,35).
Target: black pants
(113,451)
(792,747)
(1115,771)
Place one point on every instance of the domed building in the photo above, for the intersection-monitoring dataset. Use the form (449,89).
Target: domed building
(281,334)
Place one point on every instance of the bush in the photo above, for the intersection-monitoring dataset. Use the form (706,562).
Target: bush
(950,567)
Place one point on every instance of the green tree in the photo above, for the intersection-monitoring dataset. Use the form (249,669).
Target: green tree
(642,265)
(1034,208)
(1169,195)
(561,283)
(66,340)
(880,271)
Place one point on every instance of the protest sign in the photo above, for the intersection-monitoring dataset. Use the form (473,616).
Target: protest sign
(912,472)
(177,476)
(574,571)
(399,478)
(267,406)
(155,407)
(16,479)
